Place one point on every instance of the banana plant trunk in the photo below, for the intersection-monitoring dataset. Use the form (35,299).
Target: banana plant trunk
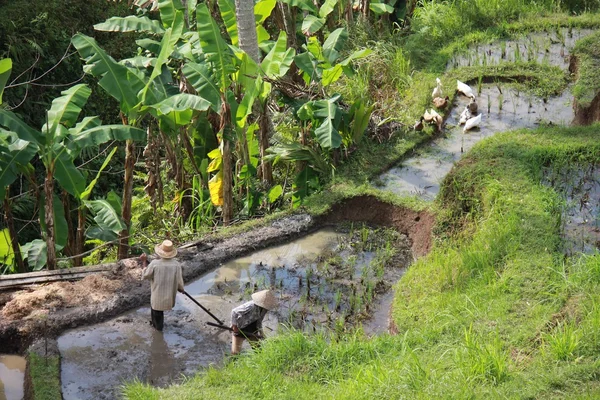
(264,128)
(227,183)
(127,194)
(49,219)
(14,241)
(79,237)
(69,249)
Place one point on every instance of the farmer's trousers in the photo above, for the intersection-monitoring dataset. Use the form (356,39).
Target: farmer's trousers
(237,341)
(158,319)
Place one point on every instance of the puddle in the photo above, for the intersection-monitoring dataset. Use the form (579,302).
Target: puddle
(503,109)
(543,47)
(12,377)
(322,280)
(580,188)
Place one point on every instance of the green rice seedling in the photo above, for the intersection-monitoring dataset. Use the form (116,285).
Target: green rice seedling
(563,341)
(503,49)
(517,53)
(500,101)
(337,300)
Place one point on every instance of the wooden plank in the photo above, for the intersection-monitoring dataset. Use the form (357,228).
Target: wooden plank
(75,270)
(59,275)
(45,279)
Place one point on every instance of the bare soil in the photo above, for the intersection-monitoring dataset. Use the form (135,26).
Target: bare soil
(48,310)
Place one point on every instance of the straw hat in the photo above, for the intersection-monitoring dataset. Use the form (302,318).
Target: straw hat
(265,299)
(165,249)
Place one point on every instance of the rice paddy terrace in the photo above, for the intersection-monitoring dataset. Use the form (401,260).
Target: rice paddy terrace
(336,272)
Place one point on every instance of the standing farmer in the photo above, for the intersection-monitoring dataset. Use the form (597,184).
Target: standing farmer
(166,279)
(246,320)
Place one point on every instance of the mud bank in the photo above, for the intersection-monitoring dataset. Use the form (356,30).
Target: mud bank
(584,114)
(106,295)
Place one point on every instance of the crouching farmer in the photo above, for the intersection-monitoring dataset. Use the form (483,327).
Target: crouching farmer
(166,279)
(247,319)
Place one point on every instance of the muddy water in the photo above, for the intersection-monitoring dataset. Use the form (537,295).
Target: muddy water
(543,47)
(580,189)
(97,359)
(12,377)
(503,109)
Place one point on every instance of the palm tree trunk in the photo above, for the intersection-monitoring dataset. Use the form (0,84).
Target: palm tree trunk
(244,14)
(14,241)
(127,194)
(49,220)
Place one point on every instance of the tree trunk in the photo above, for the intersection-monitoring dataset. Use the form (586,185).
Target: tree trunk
(244,15)
(127,193)
(264,129)
(49,220)
(227,183)
(80,236)
(14,241)
(69,249)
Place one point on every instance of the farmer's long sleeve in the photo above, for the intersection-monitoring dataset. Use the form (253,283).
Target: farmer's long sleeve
(166,278)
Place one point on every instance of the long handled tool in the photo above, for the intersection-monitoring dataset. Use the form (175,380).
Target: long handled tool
(204,308)
(219,326)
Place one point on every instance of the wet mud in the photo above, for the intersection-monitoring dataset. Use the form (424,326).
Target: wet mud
(51,309)
(327,280)
(12,377)
(503,108)
(551,48)
(579,187)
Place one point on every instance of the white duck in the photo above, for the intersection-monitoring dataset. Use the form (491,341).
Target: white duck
(472,123)
(465,89)
(437,92)
(464,116)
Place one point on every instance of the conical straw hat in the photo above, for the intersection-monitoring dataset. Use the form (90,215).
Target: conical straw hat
(265,299)
(165,249)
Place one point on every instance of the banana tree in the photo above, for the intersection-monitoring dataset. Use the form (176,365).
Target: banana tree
(142,88)
(58,144)
(14,156)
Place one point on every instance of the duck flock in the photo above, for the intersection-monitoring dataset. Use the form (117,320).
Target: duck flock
(469,117)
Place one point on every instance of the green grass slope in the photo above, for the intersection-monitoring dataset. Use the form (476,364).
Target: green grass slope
(494,311)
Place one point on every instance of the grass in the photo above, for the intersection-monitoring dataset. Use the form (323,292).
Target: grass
(493,311)
(587,86)
(45,377)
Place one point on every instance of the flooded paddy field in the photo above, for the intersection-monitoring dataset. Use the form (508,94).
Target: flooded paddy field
(330,280)
(12,377)
(503,108)
(579,186)
(551,47)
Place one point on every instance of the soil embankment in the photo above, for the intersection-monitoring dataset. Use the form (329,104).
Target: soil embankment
(51,309)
